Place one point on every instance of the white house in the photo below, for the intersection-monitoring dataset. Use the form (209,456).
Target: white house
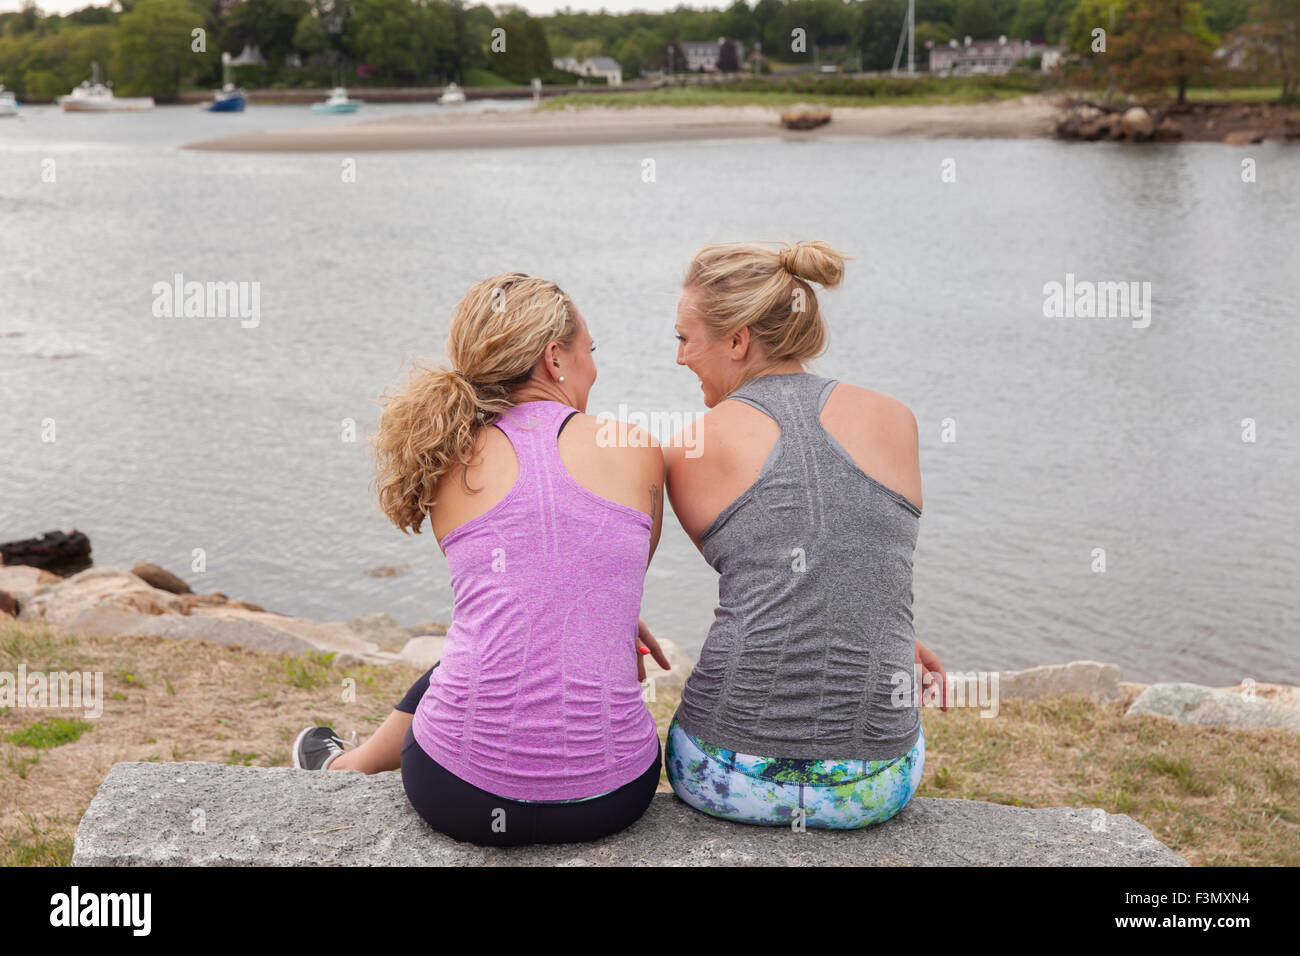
(973,57)
(603,66)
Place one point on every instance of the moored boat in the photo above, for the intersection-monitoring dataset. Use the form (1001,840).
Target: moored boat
(93,96)
(8,104)
(228,99)
(452,94)
(338,102)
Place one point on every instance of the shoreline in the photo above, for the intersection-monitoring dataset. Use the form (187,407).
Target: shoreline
(1028,117)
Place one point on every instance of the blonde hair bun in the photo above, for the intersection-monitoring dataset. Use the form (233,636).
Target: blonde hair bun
(814,261)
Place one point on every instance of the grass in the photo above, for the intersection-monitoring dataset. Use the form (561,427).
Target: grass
(828,90)
(709,96)
(1216,796)
(480,77)
(44,734)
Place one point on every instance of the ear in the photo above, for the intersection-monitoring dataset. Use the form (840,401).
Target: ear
(551,360)
(740,344)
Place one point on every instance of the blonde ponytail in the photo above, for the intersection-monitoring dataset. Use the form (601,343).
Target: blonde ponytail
(499,330)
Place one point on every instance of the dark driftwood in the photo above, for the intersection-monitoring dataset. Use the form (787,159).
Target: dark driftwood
(54,549)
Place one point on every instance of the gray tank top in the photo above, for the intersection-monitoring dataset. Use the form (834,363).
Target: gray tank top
(810,655)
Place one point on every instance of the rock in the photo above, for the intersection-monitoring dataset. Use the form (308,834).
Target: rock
(54,549)
(1091,678)
(379,629)
(1138,124)
(1106,126)
(145,815)
(7,604)
(190,601)
(804,116)
(110,621)
(320,637)
(423,652)
(1168,130)
(160,578)
(98,587)
(675,677)
(1207,707)
(1241,137)
(22,581)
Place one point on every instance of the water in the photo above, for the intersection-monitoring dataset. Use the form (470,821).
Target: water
(1071,434)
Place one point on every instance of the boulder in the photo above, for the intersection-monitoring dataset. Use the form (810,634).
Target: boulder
(379,629)
(1209,707)
(54,549)
(1138,124)
(22,581)
(1168,130)
(160,578)
(804,116)
(423,652)
(675,677)
(112,621)
(1090,678)
(1106,126)
(97,588)
(1241,137)
(187,814)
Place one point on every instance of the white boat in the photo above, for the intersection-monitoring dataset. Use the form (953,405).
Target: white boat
(8,105)
(451,95)
(93,96)
(338,102)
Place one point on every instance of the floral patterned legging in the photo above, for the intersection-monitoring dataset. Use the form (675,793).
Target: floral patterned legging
(775,791)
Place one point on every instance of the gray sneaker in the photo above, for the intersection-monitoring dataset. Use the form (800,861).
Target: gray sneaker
(316,747)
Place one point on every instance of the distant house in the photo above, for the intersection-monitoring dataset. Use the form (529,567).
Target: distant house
(603,66)
(702,55)
(973,57)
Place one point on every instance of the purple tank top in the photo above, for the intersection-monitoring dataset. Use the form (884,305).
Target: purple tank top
(536,696)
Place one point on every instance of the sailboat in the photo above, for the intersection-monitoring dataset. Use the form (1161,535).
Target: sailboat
(93,96)
(230,98)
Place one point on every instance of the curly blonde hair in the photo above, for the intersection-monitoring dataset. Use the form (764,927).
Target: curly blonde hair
(499,330)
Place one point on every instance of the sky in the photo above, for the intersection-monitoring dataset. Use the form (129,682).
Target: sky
(533,6)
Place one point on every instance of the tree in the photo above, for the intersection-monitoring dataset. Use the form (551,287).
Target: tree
(1151,45)
(977,19)
(152,47)
(1273,38)
(1030,20)
(879,24)
(728,61)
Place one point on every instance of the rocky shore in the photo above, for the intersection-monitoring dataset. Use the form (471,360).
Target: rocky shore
(1233,124)
(150,601)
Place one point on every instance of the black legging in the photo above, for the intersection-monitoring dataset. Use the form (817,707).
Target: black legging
(464,812)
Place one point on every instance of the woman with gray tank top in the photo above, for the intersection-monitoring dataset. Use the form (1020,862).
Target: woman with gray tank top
(804,494)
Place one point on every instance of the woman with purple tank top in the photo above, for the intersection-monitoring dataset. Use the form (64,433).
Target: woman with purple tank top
(804,495)
(532,727)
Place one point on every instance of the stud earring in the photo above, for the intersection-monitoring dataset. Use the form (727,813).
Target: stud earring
(561,378)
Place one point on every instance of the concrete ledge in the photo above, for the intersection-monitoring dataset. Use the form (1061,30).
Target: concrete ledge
(185,814)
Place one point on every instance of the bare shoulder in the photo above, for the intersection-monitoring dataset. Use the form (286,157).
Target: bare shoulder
(872,410)
(617,444)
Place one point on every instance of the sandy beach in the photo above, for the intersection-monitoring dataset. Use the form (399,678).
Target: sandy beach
(1029,116)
